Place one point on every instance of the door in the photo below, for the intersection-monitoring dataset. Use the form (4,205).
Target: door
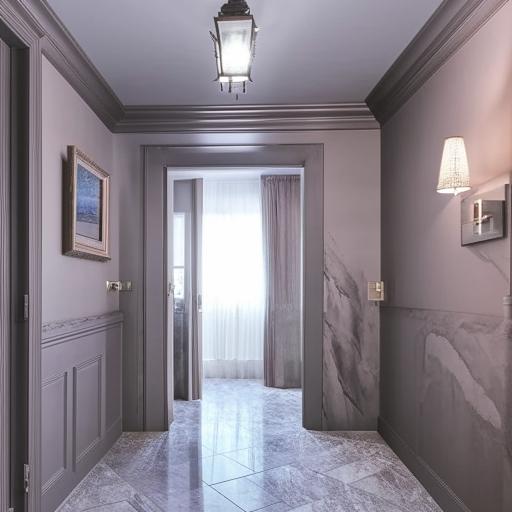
(14,232)
(184,303)
(20,229)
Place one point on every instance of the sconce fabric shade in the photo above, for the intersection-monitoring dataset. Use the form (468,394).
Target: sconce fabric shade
(454,172)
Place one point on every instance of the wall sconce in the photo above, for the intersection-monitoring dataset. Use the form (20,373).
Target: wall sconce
(454,172)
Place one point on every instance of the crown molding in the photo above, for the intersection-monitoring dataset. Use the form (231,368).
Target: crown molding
(246,118)
(453,23)
(61,49)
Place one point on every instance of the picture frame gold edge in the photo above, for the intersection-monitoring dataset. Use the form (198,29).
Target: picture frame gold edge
(70,246)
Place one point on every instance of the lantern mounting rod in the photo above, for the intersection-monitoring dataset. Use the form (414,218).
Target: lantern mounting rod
(235,8)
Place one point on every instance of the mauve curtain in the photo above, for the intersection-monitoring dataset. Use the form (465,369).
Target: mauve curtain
(281,205)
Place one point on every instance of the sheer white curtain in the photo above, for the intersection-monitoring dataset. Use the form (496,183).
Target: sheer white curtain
(233,279)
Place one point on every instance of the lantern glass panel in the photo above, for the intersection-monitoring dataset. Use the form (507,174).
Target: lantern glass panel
(235,44)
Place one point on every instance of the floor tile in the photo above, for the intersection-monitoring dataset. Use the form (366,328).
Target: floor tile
(394,487)
(102,486)
(277,507)
(122,506)
(247,442)
(204,499)
(247,495)
(347,499)
(358,470)
(295,486)
(218,469)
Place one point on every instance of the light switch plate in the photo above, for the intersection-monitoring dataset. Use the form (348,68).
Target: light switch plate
(376,291)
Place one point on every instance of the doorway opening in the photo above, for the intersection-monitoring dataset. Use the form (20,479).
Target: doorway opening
(235,251)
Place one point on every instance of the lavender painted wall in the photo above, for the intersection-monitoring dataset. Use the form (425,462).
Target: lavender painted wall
(73,288)
(351,226)
(446,349)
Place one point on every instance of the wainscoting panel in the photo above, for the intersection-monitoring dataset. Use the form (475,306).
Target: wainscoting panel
(446,406)
(81,400)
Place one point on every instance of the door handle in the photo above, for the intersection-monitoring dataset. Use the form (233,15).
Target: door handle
(170,289)
(200,303)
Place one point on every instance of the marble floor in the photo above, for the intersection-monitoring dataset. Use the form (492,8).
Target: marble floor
(242,448)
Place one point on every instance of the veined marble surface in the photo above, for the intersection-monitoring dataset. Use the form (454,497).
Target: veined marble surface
(243,448)
(447,391)
(351,347)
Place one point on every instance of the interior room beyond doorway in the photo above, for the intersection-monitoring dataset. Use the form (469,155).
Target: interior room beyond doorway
(235,278)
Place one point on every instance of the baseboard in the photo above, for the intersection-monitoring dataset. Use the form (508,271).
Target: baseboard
(432,482)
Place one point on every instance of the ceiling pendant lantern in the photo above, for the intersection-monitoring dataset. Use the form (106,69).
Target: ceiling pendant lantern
(235,41)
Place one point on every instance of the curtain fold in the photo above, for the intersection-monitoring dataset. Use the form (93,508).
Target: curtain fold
(233,279)
(281,204)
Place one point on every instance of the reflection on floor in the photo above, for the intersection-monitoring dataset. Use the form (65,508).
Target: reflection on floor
(242,448)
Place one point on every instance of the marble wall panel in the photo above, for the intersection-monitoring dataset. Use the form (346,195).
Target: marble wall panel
(351,347)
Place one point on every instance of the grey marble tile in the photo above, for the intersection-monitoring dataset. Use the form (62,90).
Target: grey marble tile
(102,486)
(277,507)
(402,490)
(122,506)
(203,499)
(295,485)
(161,475)
(247,495)
(218,469)
(170,471)
(260,458)
(221,437)
(350,500)
(360,469)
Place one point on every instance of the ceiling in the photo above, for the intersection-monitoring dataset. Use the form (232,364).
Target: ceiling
(159,52)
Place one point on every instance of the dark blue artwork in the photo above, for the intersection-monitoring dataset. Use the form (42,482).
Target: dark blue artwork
(88,204)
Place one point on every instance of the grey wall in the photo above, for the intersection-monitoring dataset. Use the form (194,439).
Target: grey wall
(68,120)
(81,359)
(351,226)
(81,400)
(446,350)
(74,288)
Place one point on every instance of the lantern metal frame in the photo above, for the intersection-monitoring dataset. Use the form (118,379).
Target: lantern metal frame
(234,10)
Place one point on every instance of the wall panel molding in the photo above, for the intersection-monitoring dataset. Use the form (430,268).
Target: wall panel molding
(86,356)
(59,409)
(454,23)
(64,330)
(88,414)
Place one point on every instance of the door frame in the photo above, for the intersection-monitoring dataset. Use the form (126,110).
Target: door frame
(20,32)
(156,160)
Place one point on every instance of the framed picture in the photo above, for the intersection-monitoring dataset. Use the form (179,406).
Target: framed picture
(86,208)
